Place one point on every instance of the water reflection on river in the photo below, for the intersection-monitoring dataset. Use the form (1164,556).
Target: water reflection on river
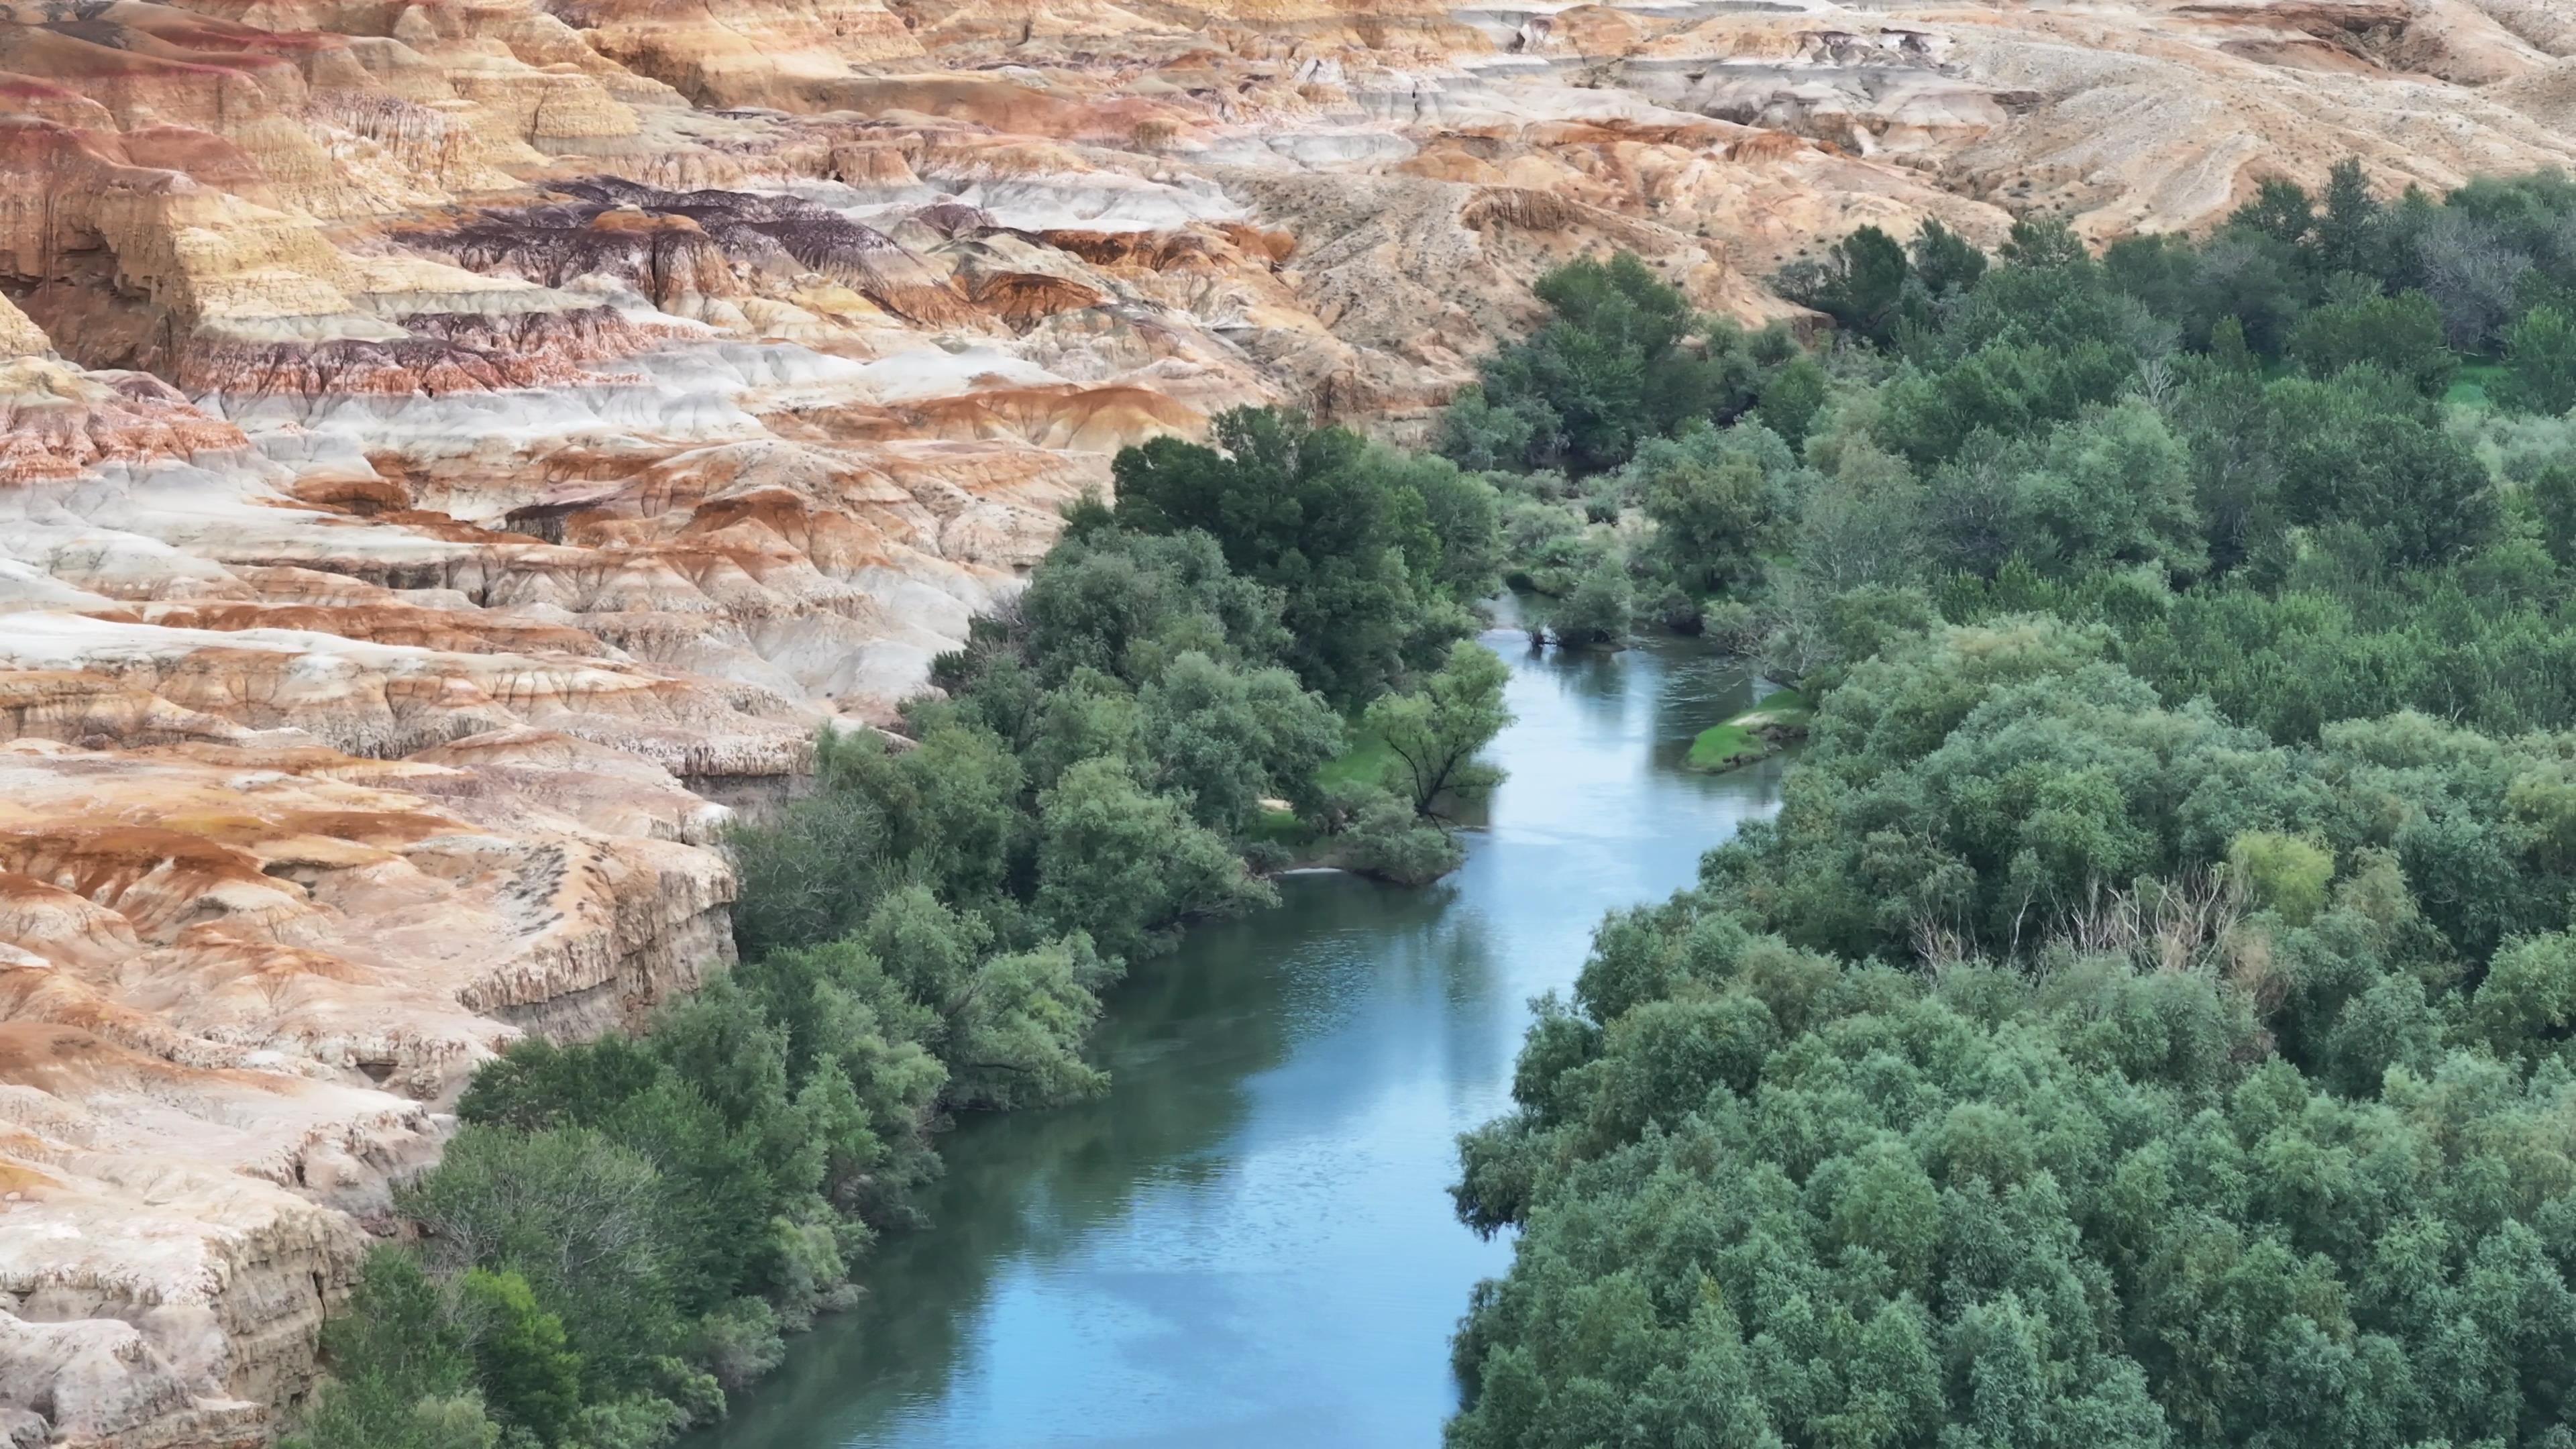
(1248,1242)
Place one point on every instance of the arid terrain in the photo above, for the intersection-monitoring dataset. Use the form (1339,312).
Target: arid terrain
(455,453)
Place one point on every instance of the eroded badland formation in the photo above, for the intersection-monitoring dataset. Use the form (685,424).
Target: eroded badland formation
(454,451)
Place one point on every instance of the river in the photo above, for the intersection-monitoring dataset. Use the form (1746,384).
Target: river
(1248,1242)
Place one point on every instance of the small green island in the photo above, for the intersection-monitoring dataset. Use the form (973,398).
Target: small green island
(1757,734)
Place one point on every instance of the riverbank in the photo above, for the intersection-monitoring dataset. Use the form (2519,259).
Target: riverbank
(1248,1240)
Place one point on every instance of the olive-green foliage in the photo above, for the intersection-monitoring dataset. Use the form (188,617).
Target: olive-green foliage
(1860,284)
(2552,496)
(530,1379)
(362,1414)
(2105,490)
(403,1374)
(1792,396)
(858,1046)
(797,876)
(1126,604)
(1718,498)
(2540,362)
(2526,1006)
(1360,544)
(2358,452)
(2281,873)
(582,1218)
(950,803)
(1226,738)
(2147,1018)
(1985,1210)
(1597,608)
(414,1361)
(2237,1141)
(1615,364)
(2033,774)
(1127,866)
(1385,837)
(1547,545)
(1436,731)
(2290,662)
(2347,455)
(1477,433)
(2007,388)
(2401,335)
(1944,262)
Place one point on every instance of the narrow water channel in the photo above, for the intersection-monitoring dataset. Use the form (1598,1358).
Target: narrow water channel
(1248,1242)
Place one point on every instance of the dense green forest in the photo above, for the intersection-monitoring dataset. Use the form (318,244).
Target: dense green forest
(2145,1022)
(2148,1020)
(621,1230)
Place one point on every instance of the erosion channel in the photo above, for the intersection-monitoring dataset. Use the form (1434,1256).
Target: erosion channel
(1248,1241)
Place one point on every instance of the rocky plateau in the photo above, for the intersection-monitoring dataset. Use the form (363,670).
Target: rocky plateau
(456,453)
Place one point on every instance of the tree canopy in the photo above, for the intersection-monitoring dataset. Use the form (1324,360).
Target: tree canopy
(2150,1018)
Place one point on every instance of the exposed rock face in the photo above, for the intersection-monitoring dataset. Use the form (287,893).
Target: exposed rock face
(446,449)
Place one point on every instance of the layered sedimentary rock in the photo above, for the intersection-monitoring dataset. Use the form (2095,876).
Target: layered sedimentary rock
(454,455)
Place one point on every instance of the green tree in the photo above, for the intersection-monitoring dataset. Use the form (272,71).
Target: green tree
(1125,604)
(2345,456)
(1945,261)
(2038,243)
(1385,838)
(805,876)
(1718,499)
(2281,872)
(2402,334)
(2110,489)
(2281,210)
(1597,609)
(531,1380)
(1477,433)
(2526,1005)
(1612,367)
(1791,397)
(1227,740)
(579,1217)
(1128,867)
(2007,388)
(2553,497)
(1859,283)
(1339,528)
(2540,363)
(396,1330)
(2351,231)
(1016,1031)
(1436,730)
(363,1416)
(1091,714)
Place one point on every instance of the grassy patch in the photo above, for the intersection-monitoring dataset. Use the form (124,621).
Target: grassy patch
(1282,828)
(1752,735)
(2471,388)
(1725,746)
(1364,763)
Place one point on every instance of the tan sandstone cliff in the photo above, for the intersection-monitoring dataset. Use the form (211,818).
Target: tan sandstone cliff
(453,453)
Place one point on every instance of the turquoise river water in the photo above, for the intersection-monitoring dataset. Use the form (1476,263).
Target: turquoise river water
(1248,1242)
